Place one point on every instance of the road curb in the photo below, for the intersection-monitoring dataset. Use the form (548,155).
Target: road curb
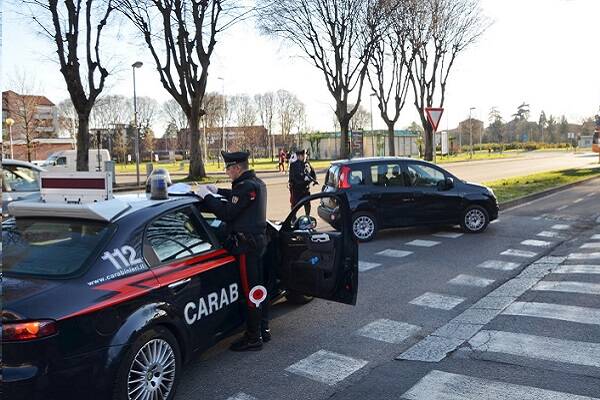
(526,199)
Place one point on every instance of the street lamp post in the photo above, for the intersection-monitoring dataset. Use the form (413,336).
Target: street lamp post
(372,142)
(10,122)
(471,130)
(223,141)
(137,64)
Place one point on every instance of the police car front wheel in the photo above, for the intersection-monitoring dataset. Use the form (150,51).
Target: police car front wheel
(151,367)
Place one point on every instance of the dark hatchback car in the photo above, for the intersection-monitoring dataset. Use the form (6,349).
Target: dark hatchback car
(390,192)
(108,300)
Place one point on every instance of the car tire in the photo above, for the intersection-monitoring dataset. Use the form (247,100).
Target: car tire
(297,298)
(147,349)
(364,226)
(475,219)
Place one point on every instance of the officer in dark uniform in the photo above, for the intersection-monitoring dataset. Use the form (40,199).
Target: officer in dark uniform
(301,176)
(245,212)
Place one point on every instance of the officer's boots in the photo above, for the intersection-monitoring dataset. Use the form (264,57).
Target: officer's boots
(251,340)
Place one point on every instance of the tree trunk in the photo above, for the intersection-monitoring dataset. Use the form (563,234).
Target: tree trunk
(196,164)
(83,142)
(391,143)
(344,127)
(428,142)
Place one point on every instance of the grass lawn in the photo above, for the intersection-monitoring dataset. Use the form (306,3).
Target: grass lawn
(477,156)
(260,164)
(513,188)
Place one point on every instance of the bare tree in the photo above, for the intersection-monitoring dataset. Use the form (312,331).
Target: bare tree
(244,111)
(361,118)
(23,107)
(76,29)
(67,116)
(174,114)
(265,104)
(111,111)
(336,35)
(181,36)
(287,105)
(438,31)
(215,106)
(388,72)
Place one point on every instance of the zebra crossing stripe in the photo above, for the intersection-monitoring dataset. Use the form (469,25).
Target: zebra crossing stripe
(447,386)
(519,253)
(242,396)
(577,269)
(448,235)
(536,243)
(562,207)
(584,256)
(499,265)
(423,243)
(582,315)
(561,227)
(569,287)
(327,367)
(595,236)
(470,280)
(388,331)
(435,300)
(365,266)
(593,245)
(537,347)
(549,234)
(394,253)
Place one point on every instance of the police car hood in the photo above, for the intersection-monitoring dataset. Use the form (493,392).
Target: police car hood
(18,291)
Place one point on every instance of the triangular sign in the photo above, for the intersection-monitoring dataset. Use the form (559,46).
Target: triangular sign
(434,115)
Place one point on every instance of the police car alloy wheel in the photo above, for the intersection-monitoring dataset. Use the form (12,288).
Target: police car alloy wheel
(475,219)
(150,369)
(364,226)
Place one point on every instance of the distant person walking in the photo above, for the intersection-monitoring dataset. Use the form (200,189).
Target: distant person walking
(281,158)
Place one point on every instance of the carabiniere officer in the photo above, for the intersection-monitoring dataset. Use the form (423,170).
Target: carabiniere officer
(245,212)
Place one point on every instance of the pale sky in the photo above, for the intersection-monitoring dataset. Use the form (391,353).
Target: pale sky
(543,52)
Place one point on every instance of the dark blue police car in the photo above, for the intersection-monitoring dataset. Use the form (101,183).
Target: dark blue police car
(110,299)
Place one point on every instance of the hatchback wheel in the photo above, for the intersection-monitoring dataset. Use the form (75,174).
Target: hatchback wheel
(151,367)
(475,219)
(364,226)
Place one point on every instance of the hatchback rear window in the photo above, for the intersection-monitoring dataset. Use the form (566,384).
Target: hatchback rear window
(48,248)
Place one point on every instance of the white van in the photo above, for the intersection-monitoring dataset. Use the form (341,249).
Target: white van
(66,161)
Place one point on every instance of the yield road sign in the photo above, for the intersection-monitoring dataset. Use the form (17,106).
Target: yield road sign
(434,115)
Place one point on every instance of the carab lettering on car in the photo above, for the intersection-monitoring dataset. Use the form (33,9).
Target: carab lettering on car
(210,303)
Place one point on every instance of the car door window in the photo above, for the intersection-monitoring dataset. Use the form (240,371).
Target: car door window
(421,175)
(19,179)
(386,175)
(177,235)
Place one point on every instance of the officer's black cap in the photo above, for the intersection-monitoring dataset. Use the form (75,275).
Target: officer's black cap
(235,157)
(301,152)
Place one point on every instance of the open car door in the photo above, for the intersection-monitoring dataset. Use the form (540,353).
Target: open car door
(319,257)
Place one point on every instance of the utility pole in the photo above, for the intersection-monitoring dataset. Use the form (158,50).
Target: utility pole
(137,64)
(471,130)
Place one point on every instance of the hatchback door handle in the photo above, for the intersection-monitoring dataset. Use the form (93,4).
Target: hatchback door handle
(180,284)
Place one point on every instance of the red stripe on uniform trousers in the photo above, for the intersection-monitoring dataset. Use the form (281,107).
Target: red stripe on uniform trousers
(244,279)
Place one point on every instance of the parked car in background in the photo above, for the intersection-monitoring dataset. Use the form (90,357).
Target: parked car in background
(66,161)
(20,180)
(390,192)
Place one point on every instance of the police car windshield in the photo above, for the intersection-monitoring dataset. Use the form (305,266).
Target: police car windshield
(49,248)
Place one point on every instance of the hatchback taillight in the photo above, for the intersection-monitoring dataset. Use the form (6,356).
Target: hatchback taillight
(30,330)
(344,181)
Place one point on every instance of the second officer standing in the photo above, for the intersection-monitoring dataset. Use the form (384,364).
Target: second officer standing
(245,212)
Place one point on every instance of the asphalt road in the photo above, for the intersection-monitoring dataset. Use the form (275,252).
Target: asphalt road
(486,331)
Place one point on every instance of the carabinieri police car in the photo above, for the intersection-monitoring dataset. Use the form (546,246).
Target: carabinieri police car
(109,297)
